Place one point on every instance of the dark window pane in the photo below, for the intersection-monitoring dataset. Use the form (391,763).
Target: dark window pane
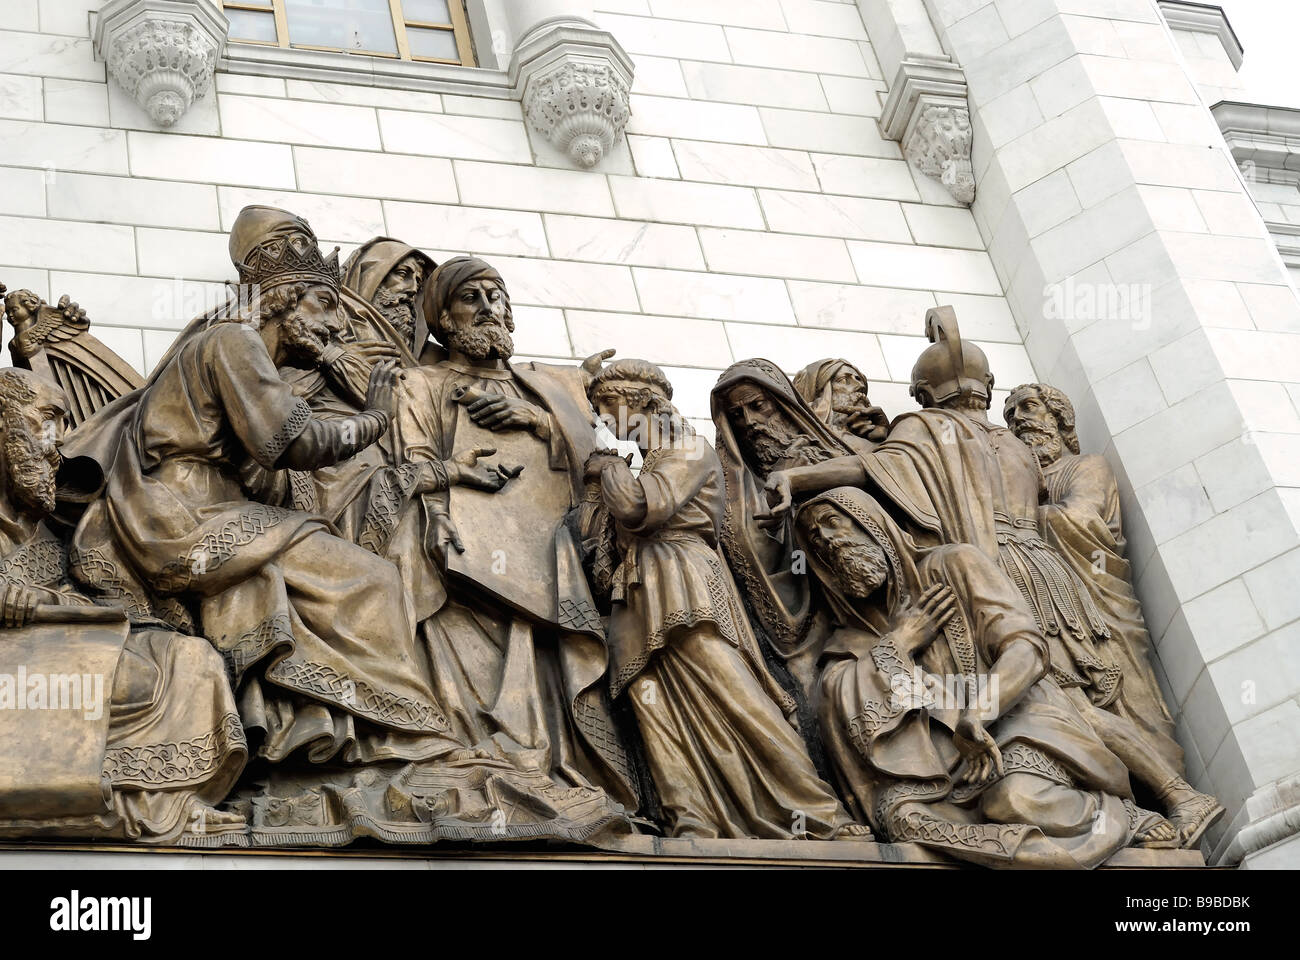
(345,24)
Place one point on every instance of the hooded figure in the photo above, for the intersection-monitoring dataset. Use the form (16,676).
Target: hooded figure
(781,598)
(908,715)
(369,273)
(836,391)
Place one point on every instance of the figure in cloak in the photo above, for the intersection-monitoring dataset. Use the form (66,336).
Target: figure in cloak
(763,425)
(502,602)
(1081,519)
(956,478)
(937,710)
(836,391)
(154,742)
(388,274)
(724,759)
(315,631)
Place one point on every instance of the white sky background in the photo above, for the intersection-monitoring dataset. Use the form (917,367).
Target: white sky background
(1269,30)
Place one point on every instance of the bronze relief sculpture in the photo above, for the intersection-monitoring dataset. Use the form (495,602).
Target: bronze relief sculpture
(351,569)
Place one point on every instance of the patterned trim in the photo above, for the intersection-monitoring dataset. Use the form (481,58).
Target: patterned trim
(256,643)
(93,568)
(875,715)
(393,490)
(580,615)
(169,764)
(1025,758)
(217,547)
(595,726)
(356,696)
(37,563)
(289,431)
(302,491)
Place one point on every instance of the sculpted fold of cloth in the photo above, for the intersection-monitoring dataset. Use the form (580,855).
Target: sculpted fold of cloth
(955,478)
(1009,776)
(763,425)
(836,391)
(503,609)
(725,761)
(315,631)
(1081,519)
(389,275)
(109,729)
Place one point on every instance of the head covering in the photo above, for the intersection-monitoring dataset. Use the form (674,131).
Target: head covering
(949,366)
(781,600)
(372,262)
(901,552)
(449,278)
(814,384)
(271,247)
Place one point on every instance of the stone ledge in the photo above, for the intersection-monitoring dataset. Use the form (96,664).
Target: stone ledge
(637,851)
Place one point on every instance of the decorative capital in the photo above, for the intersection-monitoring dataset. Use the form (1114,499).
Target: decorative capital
(162,52)
(575,82)
(928,114)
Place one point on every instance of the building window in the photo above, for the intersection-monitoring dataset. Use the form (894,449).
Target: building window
(431,31)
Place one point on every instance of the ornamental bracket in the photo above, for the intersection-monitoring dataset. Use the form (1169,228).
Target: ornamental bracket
(574,80)
(928,114)
(162,52)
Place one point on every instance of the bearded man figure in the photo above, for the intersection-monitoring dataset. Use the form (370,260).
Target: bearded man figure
(763,425)
(937,710)
(956,478)
(388,274)
(837,392)
(1081,519)
(315,630)
(502,603)
(151,762)
(724,759)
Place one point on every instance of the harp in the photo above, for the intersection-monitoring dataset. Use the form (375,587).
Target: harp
(56,343)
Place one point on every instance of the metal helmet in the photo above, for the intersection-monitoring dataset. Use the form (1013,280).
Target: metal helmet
(949,367)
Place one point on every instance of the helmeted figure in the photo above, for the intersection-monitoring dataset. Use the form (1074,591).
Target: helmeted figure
(937,708)
(953,477)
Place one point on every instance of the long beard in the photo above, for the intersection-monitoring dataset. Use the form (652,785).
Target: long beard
(303,342)
(31,471)
(396,309)
(859,570)
(774,448)
(1045,444)
(487,342)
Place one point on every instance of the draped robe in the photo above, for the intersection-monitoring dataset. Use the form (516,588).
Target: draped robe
(724,759)
(1064,800)
(170,730)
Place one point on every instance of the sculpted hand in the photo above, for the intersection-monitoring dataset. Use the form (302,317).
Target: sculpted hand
(780,498)
(379,391)
(504,413)
(74,314)
(465,470)
(350,369)
(871,422)
(919,623)
(598,461)
(18,605)
(981,756)
(591,366)
(445,533)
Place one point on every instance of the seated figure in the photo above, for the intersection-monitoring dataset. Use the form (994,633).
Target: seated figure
(148,764)
(937,710)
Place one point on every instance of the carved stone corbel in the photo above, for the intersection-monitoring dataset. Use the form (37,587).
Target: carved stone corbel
(575,81)
(162,52)
(928,114)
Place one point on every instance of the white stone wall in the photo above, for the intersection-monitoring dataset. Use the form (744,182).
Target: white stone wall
(758,212)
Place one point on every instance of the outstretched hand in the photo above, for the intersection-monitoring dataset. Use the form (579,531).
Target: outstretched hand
(465,470)
(379,391)
(780,498)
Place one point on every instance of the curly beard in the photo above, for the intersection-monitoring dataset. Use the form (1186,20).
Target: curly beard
(31,470)
(859,570)
(773,446)
(484,342)
(396,309)
(302,342)
(1045,444)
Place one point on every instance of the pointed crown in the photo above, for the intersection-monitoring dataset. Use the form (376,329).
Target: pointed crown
(290,258)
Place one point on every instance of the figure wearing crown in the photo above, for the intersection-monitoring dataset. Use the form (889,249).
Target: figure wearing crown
(315,630)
